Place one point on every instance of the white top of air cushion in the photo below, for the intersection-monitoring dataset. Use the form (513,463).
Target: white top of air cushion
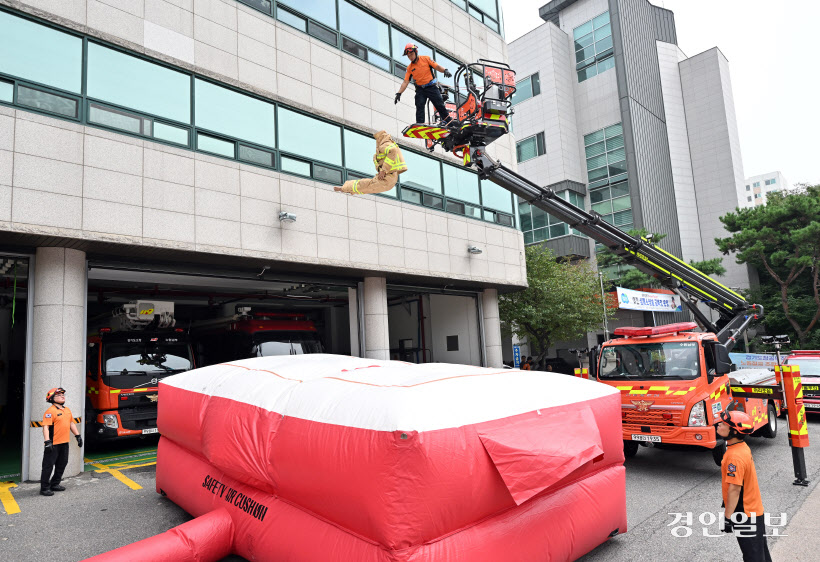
(385,395)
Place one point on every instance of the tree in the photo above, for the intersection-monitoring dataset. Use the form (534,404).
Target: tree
(782,239)
(562,302)
(632,278)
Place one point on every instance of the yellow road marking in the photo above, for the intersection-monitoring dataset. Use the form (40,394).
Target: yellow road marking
(147,452)
(9,503)
(119,475)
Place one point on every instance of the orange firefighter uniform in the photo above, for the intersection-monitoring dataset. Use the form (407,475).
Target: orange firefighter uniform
(389,163)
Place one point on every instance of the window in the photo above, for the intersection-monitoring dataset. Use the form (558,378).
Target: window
(530,148)
(483,10)
(47,101)
(228,112)
(496,197)
(323,11)
(215,145)
(311,138)
(461,184)
(758,195)
(748,188)
(527,88)
(398,39)
(749,199)
(138,84)
(607,173)
(40,54)
(593,47)
(450,65)
(261,5)
(771,182)
(6,91)
(756,184)
(359,151)
(366,33)
(538,225)
(422,173)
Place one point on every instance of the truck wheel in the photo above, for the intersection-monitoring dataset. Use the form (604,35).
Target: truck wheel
(769,431)
(719,451)
(630,448)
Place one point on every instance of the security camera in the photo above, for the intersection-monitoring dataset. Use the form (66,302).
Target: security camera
(474,249)
(284,216)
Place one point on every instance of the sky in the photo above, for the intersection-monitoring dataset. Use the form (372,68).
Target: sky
(775,81)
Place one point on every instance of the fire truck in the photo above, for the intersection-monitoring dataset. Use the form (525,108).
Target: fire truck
(674,382)
(129,352)
(254,333)
(809,362)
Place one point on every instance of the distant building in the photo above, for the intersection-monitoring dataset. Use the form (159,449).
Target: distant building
(758,188)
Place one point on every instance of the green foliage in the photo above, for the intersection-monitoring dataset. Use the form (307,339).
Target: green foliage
(562,302)
(782,240)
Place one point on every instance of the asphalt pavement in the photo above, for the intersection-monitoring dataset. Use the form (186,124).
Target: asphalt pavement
(101,511)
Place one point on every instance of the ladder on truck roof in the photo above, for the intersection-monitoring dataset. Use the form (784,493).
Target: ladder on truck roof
(481,116)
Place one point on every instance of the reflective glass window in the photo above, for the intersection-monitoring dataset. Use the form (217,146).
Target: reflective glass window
(256,156)
(496,197)
(46,101)
(294,166)
(119,119)
(359,150)
(399,39)
(323,11)
(363,27)
(450,65)
(461,184)
(41,54)
(292,20)
(593,47)
(327,174)
(6,91)
(486,6)
(138,84)
(311,138)
(228,112)
(169,133)
(422,172)
(214,145)
(261,5)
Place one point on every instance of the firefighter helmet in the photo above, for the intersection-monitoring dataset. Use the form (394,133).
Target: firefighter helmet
(50,394)
(410,47)
(738,421)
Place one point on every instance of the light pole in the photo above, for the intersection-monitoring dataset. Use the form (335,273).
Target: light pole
(603,303)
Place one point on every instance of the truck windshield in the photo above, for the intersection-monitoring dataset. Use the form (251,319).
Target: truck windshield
(650,361)
(149,359)
(267,344)
(808,367)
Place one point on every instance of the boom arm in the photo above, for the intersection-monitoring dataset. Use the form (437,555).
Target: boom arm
(692,285)
(481,116)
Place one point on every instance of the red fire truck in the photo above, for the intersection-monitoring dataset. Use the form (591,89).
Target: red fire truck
(255,333)
(130,351)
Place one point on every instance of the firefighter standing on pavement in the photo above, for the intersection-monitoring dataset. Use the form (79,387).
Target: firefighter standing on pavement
(420,70)
(741,492)
(57,424)
(389,163)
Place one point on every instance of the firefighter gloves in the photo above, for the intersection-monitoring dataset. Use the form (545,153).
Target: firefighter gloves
(398,97)
(728,525)
(447,73)
(79,440)
(49,444)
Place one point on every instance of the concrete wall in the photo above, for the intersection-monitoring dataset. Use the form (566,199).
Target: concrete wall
(61,178)
(715,150)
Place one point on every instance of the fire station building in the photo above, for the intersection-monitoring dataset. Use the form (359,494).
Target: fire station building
(185,152)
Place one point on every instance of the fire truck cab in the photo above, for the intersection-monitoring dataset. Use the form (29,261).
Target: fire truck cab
(809,362)
(674,384)
(255,333)
(130,351)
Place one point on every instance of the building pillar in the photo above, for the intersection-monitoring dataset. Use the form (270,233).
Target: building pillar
(58,345)
(492,328)
(376,331)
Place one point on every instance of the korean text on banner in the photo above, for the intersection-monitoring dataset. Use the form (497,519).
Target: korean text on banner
(654,302)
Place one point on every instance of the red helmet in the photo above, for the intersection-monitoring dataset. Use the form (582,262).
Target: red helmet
(410,47)
(50,394)
(741,422)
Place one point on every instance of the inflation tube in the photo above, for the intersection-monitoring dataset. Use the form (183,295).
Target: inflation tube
(205,539)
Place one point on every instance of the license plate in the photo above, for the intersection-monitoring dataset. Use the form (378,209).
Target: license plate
(152,430)
(812,406)
(651,438)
